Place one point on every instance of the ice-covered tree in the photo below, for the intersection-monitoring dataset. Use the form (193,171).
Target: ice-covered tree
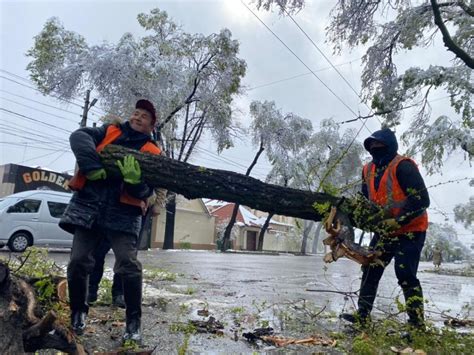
(330,161)
(444,236)
(191,78)
(290,135)
(278,135)
(464,212)
(391,28)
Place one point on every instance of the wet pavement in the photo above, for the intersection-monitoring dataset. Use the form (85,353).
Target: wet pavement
(247,291)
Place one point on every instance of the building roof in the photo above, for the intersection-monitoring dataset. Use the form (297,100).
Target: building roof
(244,216)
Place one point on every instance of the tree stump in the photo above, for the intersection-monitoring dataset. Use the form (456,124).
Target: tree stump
(22,329)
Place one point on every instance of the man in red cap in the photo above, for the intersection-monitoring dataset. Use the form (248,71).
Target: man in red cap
(109,207)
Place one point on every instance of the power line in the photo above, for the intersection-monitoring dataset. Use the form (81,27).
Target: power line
(59,156)
(224,159)
(34,88)
(33,119)
(25,137)
(39,102)
(59,140)
(36,109)
(299,59)
(26,143)
(328,60)
(41,156)
(390,111)
(297,76)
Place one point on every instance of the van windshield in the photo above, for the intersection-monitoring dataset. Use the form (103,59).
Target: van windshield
(7,201)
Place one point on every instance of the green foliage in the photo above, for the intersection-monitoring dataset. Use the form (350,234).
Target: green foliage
(380,337)
(52,48)
(190,291)
(34,263)
(183,308)
(185,245)
(105,291)
(363,345)
(186,328)
(158,274)
(183,348)
(330,189)
(236,310)
(130,345)
(322,208)
(45,289)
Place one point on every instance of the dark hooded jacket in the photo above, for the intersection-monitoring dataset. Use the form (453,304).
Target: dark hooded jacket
(408,175)
(98,203)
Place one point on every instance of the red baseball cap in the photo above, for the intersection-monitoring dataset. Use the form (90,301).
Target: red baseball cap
(147,106)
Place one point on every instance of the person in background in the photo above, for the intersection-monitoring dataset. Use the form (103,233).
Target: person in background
(437,257)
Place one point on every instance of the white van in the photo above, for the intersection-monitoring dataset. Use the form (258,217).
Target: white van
(31,218)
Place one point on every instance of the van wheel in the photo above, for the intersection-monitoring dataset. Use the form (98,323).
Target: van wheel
(19,241)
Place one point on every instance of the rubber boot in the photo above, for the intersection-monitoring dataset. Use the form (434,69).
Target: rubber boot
(78,322)
(414,305)
(132,287)
(77,299)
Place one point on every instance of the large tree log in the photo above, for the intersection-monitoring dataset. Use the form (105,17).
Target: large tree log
(193,181)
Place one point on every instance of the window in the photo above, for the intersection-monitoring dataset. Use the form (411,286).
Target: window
(56,209)
(25,206)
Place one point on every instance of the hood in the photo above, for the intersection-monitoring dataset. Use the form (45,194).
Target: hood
(385,136)
(382,157)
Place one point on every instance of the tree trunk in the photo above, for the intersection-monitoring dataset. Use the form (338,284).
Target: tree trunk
(193,181)
(20,328)
(317,234)
(168,242)
(228,229)
(307,226)
(261,236)
(230,225)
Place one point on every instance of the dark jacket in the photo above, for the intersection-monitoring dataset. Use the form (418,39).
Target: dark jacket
(408,176)
(98,203)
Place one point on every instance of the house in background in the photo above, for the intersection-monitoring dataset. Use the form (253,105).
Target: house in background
(279,235)
(194,226)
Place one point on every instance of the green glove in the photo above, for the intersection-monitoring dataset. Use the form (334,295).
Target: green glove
(130,170)
(98,174)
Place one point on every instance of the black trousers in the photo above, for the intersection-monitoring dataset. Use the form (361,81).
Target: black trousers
(126,265)
(406,250)
(95,276)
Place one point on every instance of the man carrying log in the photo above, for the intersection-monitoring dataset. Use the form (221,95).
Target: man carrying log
(109,207)
(394,183)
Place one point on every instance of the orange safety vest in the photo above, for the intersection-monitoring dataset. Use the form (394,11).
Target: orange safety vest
(390,195)
(113,132)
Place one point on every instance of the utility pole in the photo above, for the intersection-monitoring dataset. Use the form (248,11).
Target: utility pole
(87,107)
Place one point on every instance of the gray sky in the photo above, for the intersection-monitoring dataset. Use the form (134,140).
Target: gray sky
(267,60)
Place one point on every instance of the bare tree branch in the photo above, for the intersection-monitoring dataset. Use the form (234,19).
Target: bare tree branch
(448,41)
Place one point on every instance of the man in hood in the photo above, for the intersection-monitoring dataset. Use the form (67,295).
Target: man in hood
(394,183)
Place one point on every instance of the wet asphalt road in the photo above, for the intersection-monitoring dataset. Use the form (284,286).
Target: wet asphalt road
(279,278)
(245,290)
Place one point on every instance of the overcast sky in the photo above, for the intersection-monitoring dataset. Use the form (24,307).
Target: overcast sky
(269,65)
